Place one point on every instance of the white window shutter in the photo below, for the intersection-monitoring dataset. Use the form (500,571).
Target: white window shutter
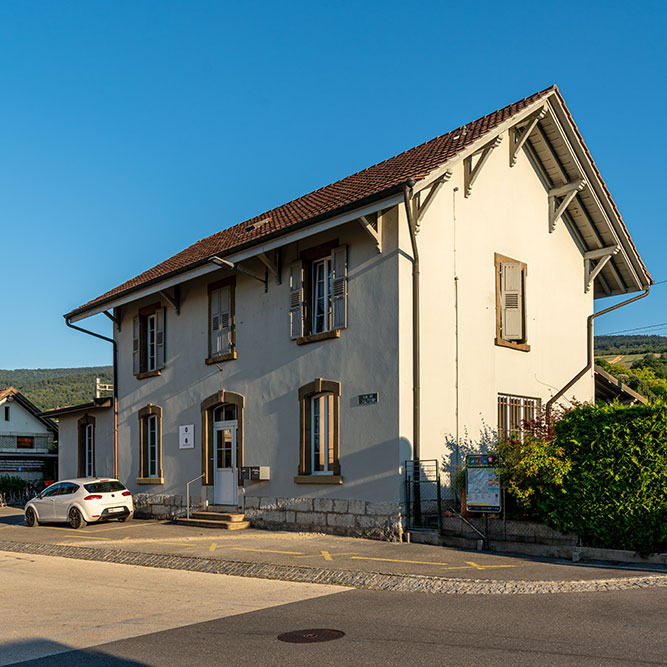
(159,338)
(511,300)
(136,358)
(225,320)
(339,287)
(296,300)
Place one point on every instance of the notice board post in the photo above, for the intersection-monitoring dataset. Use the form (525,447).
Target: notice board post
(483,487)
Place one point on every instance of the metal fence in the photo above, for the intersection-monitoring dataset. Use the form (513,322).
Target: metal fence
(423,494)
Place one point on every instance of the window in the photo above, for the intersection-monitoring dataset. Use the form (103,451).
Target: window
(86,463)
(6,413)
(318,294)
(319,459)
(148,341)
(150,445)
(25,442)
(221,322)
(513,411)
(511,303)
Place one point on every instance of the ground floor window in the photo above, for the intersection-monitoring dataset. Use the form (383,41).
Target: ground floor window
(150,445)
(513,412)
(86,454)
(319,459)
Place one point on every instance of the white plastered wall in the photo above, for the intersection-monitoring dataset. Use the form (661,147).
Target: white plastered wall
(506,213)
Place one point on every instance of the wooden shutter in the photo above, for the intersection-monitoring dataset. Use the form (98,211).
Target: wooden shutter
(296,300)
(225,320)
(136,354)
(214,323)
(511,295)
(339,287)
(159,338)
(81,463)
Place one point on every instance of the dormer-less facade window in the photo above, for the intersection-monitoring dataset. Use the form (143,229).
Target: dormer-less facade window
(148,341)
(221,322)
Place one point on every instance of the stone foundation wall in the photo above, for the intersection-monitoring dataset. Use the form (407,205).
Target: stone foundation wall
(157,506)
(354,518)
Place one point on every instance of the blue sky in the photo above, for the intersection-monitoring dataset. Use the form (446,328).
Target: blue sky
(131,129)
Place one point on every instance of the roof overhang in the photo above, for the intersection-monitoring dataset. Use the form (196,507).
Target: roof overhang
(98,404)
(560,156)
(609,388)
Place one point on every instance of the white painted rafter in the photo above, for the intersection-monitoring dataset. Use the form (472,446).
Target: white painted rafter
(602,255)
(471,173)
(568,191)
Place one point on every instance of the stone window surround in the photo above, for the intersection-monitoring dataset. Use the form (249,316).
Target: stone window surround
(144,413)
(81,424)
(501,342)
(208,406)
(306,392)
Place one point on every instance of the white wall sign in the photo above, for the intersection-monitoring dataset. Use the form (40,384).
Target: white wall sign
(186,437)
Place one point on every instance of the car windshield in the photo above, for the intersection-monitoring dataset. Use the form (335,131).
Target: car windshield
(104,487)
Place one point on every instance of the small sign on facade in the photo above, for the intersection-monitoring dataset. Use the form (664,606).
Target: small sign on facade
(186,436)
(482,483)
(368,399)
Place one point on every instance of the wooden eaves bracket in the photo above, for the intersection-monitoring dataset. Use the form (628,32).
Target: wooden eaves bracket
(375,234)
(422,207)
(175,300)
(521,131)
(272,266)
(225,263)
(568,191)
(471,173)
(602,255)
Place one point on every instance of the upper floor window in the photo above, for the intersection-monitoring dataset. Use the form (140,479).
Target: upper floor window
(148,341)
(318,293)
(6,413)
(511,303)
(221,322)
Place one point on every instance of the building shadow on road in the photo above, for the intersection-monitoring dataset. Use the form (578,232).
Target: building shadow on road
(47,653)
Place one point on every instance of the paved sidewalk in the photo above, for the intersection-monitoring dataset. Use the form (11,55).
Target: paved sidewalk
(318,558)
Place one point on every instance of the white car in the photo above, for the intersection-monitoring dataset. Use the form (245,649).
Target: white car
(80,501)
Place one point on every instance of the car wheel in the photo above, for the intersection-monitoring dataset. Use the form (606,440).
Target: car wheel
(122,519)
(76,519)
(31,517)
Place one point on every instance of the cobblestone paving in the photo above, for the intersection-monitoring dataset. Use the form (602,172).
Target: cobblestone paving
(352,579)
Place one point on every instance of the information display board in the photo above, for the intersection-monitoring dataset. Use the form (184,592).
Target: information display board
(482,483)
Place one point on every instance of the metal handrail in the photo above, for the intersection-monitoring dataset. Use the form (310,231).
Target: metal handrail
(187,495)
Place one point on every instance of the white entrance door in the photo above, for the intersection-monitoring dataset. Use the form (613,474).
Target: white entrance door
(225,474)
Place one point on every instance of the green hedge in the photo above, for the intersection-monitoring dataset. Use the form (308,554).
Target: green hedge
(602,477)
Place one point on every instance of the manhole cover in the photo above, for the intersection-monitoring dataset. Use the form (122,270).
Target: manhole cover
(310,636)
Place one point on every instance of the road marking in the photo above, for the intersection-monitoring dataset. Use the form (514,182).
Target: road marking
(326,555)
(397,560)
(269,551)
(213,546)
(90,537)
(485,567)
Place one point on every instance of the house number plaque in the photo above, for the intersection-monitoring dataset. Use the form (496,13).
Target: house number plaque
(368,399)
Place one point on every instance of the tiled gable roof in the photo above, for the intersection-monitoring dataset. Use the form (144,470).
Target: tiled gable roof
(415,163)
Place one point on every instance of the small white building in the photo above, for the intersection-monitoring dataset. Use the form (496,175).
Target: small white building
(26,439)
(296,361)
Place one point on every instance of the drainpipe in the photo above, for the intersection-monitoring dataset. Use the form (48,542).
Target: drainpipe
(115,388)
(416,402)
(589,341)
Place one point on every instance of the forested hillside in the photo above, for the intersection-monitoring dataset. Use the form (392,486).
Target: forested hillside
(606,345)
(50,388)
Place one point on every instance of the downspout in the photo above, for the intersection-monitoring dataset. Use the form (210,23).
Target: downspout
(416,363)
(115,388)
(589,341)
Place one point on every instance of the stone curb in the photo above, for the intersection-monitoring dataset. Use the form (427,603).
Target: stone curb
(405,583)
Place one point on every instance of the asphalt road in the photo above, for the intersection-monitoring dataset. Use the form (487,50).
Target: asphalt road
(603,628)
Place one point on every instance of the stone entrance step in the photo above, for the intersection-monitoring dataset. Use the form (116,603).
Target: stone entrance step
(232,520)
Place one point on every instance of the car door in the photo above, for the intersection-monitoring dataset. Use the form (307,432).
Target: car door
(62,499)
(44,503)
